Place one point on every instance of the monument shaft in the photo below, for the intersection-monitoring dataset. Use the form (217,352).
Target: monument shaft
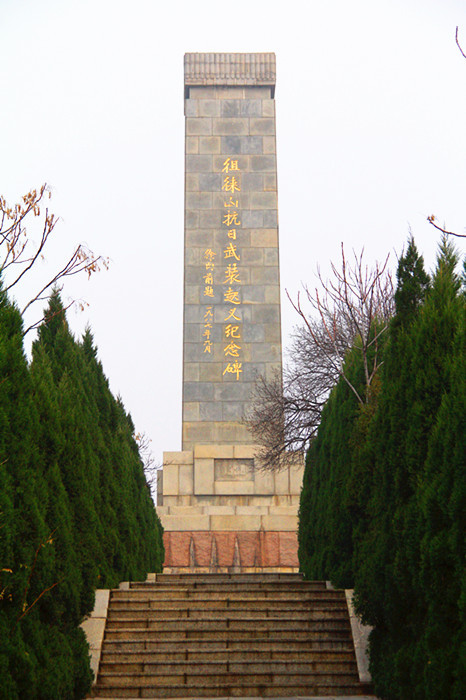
(231,293)
(218,509)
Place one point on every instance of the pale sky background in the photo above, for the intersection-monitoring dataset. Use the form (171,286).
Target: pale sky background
(371,137)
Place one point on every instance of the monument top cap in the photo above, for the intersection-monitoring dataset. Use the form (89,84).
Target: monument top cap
(229,69)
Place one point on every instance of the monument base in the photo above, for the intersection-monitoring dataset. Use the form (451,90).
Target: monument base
(221,512)
(231,551)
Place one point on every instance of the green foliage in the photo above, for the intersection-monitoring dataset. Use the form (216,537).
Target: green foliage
(75,510)
(324,535)
(392,478)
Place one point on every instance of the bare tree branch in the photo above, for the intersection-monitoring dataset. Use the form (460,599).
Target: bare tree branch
(18,251)
(350,310)
(458,43)
(431,219)
(150,466)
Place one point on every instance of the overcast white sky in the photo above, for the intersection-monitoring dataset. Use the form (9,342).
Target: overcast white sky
(371,115)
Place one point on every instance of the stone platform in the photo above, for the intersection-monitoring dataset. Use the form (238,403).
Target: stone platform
(220,512)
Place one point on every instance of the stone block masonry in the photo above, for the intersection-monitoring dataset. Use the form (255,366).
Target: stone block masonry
(232,292)
(218,508)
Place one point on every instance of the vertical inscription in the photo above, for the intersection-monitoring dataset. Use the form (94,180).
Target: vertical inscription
(231,185)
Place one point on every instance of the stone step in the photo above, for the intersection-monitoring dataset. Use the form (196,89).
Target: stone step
(113,656)
(248,633)
(227,635)
(211,667)
(259,645)
(214,579)
(231,623)
(220,589)
(349,691)
(224,619)
(232,613)
(255,685)
(158,598)
(196,676)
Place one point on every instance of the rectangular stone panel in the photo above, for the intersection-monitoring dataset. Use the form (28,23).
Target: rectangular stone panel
(233,469)
(203,476)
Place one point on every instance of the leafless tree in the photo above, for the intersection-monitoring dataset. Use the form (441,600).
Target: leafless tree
(354,308)
(350,310)
(432,219)
(19,253)
(150,466)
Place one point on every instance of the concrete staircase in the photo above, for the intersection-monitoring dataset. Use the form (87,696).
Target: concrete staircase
(227,635)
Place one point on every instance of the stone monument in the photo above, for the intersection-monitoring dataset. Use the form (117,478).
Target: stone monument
(219,510)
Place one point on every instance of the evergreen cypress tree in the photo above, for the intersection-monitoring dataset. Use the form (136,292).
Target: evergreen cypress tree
(23,528)
(329,502)
(389,580)
(75,511)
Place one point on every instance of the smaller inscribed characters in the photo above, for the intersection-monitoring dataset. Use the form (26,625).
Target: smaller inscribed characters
(208,323)
(208,278)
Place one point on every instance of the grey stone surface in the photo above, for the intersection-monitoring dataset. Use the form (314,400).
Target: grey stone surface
(195,237)
(202,93)
(253,256)
(261,93)
(268,108)
(270,256)
(191,108)
(262,164)
(198,200)
(198,391)
(192,144)
(269,144)
(196,126)
(263,126)
(254,333)
(191,372)
(233,126)
(272,333)
(209,144)
(264,275)
(251,108)
(208,108)
(270,218)
(253,295)
(231,145)
(251,144)
(211,182)
(230,130)
(191,219)
(210,219)
(253,219)
(192,182)
(263,200)
(191,411)
(270,182)
(266,313)
(210,410)
(230,108)
(231,391)
(192,255)
(252,181)
(232,409)
(198,163)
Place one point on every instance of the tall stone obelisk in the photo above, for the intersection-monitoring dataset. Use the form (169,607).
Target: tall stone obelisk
(218,509)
